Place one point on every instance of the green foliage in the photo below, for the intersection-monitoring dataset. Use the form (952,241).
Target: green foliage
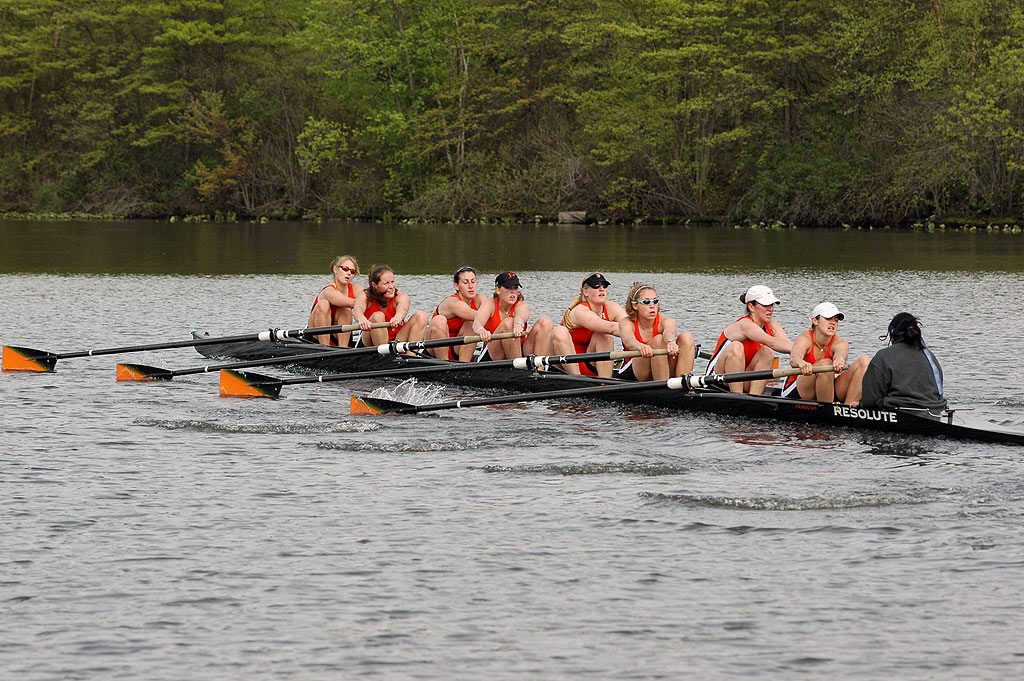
(798,110)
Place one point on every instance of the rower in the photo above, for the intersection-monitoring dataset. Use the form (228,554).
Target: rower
(507,312)
(905,374)
(333,305)
(645,329)
(455,314)
(590,324)
(821,346)
(750,342)
(383,302)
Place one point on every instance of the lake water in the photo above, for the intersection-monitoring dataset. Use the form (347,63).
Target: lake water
(157,531)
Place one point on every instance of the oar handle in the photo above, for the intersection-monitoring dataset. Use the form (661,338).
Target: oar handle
(793,371)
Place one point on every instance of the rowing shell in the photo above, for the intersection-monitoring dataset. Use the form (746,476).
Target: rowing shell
(948,423)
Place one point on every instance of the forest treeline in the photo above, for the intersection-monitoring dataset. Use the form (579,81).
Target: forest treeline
(805,111)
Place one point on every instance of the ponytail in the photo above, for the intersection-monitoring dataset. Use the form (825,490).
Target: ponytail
(567,321)
(905,328)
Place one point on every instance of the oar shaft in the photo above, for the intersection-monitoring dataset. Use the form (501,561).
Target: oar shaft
(392,348)
(528,362)
(269,335)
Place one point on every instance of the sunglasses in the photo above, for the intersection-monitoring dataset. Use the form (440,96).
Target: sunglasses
(600,284)
(350,270)
(647,301)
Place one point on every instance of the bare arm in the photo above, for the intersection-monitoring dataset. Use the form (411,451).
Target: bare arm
(520,318)
(482,315)
(583,316)
(671,332)
(628,336)
(359,313)
(801,346)
(402,304)
(744,329)
(339,299)
(840,353)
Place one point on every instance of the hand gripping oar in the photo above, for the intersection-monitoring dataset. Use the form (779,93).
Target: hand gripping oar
(250,384)
(142,372)
(16,358)
(376,405)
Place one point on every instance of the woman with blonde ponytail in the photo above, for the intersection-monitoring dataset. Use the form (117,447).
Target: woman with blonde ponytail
(645,329)
(589,325)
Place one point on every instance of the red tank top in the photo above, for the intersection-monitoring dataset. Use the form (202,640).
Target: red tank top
(497,319)
(809,357)
(581,335)
(750,347)
(334,308)
(389,314)
(455,323)
(636,326)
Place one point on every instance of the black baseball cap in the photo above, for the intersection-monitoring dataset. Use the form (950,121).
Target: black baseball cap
(507,280)
(594,279)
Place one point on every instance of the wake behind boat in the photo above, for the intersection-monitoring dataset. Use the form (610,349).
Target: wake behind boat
(943,423)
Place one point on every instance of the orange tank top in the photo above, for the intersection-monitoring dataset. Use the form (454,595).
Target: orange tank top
(656,331)
(389,314)
(809,357)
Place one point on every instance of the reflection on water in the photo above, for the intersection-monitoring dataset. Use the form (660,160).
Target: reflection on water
(152,247)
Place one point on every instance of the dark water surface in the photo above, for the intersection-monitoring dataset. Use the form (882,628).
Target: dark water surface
(151,247)
(157,531)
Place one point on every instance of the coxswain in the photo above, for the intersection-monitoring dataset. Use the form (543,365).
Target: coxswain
(383,302)
(905,374)
(454,316)
(645,329)
(821,346)
(507,312)
(334,304)
(750,342)
(590,324)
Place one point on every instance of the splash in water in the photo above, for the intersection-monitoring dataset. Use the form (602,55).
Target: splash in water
(410,392)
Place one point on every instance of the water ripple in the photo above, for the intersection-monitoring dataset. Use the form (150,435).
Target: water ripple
(596,468)
(777,503)
(441,445)
(263,428)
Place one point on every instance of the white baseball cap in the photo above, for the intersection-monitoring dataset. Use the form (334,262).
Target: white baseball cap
(759,293)
(827,310)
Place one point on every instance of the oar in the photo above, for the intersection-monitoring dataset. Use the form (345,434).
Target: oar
(250,384)
(377,405)
(143,372)
(16,358)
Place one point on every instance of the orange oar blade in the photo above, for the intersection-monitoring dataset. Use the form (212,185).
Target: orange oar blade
(141,372)
(358,405)
(27,359)
(377,405)
(248,384)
